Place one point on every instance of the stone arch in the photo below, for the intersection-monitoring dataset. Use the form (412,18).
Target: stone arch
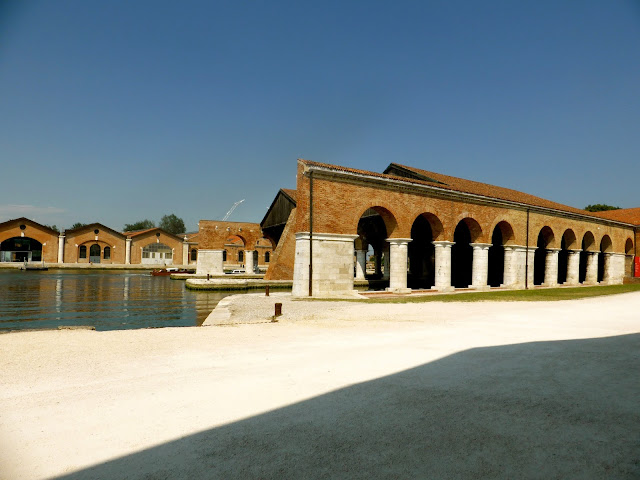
(375,225)
(426,229)
(569,238)
(502,234)
(467,231)
(606,246)
(628,247)
(588,245)
(20,249)
(546,240)
(475,230)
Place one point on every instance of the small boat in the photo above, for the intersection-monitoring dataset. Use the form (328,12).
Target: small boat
(165,272)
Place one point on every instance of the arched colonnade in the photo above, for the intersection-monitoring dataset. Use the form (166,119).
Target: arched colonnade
(480,255)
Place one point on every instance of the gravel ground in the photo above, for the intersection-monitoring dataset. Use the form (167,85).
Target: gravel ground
(332,390)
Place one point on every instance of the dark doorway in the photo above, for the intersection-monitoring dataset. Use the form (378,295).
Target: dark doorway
(461,257)
(421,255)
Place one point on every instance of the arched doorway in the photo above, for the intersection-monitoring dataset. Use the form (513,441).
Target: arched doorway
(421,251)
(588,242)
(157,254)
(465,233)
(605,247)
(502,233)
(94,253)
(373,233)
(567,244)
(545,237)
(20,249)
(628,250)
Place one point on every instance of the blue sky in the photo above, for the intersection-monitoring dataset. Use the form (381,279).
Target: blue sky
(123,110)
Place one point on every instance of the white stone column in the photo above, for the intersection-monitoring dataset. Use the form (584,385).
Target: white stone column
(530,267)
(248,261)
(127,252)
(614,268)
(332,265)
(386,263)
(591,278)
(551,267)
(515,266)
(480,266)
(210,262)
(61,248)
(443,265)
(573,267)
(398,250)
(361,264)
(185,252)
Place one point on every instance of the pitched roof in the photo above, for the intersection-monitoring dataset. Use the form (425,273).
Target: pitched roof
(92,226)
(148,230)
(291,193)
(423,177)
(628,215)
(25,219)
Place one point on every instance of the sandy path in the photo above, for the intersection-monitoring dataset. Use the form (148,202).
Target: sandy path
(333,390)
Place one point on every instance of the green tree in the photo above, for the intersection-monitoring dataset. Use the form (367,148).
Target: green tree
(53,227)
(172,224)
(140,225)
(600,207)
(77,225)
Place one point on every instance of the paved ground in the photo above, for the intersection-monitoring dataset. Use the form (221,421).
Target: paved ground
(333,390)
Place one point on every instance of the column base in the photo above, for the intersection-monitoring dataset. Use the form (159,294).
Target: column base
(550,285)
(443,289)
(397,290)
(480,288)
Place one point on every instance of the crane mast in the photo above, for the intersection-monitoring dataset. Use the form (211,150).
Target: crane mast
(232,209)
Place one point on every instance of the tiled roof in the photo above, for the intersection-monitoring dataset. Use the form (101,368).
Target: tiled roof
(292,193)
(445,182)
(135,233)
(628,215)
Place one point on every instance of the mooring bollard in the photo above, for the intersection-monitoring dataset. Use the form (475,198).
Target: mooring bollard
(278,310)
(207,277)
(266,291)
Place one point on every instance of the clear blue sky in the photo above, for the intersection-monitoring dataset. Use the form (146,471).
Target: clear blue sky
(117,111)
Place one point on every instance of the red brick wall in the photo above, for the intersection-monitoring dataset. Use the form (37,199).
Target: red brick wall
(33,230)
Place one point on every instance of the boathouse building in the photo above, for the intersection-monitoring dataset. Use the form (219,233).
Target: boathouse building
(425,230)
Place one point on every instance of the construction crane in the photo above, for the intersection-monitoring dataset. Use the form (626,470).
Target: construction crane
(232,209)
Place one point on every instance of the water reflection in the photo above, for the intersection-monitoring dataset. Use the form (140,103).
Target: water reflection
(107,300)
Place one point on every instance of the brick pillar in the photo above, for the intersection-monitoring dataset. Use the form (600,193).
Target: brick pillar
(443,265)
(361,264)
(398,248)
(209,262)
(480,265)
(551,267)
(591,278)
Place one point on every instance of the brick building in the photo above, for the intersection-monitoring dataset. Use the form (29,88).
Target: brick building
(25,240)
(427,230)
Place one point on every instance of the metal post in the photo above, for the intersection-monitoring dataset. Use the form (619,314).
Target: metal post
(526,260)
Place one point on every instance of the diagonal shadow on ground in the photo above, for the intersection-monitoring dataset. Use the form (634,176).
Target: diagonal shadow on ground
(565,410)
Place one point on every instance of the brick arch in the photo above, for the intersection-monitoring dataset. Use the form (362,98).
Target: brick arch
(589,242)
(548,236)
(437,228)
(477,235)
(508,234)
(570,240)
(241,237)
(606,245)
(628,247)
(389,219)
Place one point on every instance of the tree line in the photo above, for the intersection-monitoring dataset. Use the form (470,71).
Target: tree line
(169,223)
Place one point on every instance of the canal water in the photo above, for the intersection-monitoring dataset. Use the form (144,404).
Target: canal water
(105,299)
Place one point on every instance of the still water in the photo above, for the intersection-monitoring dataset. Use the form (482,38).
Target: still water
(106,300)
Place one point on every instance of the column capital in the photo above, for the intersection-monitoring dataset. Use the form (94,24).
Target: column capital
(573,251)
(399,241)
(443,243)
(326,237)
(481,245)
(519,248)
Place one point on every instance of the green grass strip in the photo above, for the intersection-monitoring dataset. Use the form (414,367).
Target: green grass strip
(533,295)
